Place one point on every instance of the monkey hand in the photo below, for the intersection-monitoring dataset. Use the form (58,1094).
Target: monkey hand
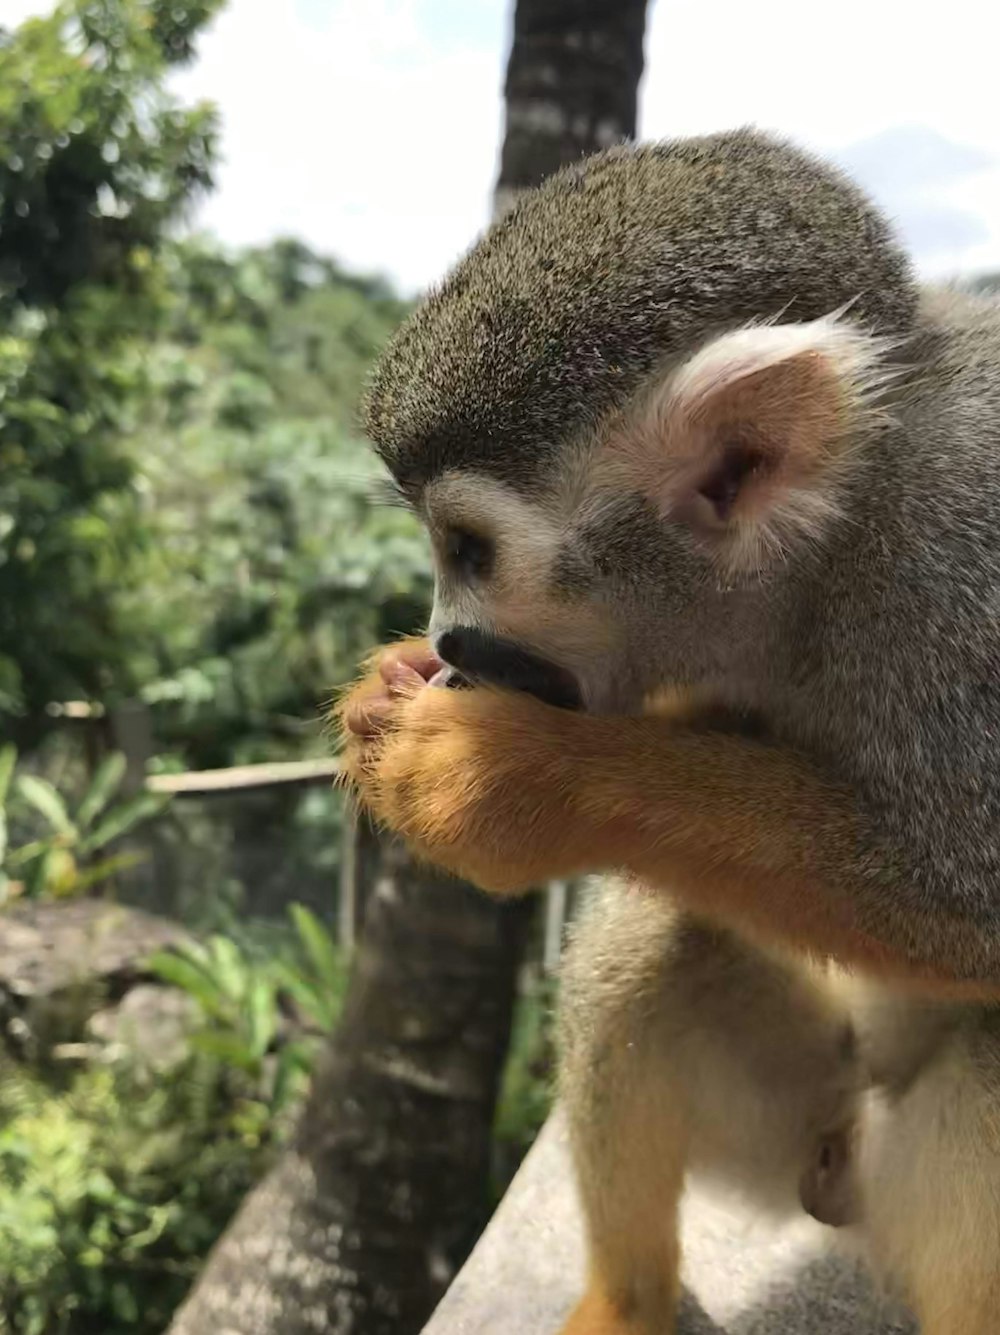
(484,783)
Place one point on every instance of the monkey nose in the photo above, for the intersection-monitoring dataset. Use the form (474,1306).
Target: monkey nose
(489,659)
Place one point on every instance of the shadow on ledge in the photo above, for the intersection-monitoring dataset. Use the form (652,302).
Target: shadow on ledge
(742,1277)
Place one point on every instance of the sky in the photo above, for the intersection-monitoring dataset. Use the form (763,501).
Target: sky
(370,128)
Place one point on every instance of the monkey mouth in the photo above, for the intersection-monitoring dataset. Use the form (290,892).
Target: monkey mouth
(473,657)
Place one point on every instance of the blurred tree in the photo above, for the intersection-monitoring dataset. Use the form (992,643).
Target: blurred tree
(97,160)
(270,566)
(360,1229)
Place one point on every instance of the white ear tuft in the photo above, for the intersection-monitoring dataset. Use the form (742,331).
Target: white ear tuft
(854,359)
(748,441)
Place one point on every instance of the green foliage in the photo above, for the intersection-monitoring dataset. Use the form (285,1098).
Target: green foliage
(112,1191)
(310,968)
(317,983)
(97,159)
(270,564)
(69,853)
(246,998)
(527,1090)
(185,511)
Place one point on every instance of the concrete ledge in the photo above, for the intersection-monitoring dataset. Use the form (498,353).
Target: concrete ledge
(743,1277)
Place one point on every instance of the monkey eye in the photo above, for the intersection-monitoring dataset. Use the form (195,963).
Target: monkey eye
(469,555)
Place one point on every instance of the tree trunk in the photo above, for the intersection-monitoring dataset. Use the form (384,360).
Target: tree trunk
(572,86)
(364,1221)
(360,1227)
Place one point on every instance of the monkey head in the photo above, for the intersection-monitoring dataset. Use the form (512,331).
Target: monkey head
(635,411)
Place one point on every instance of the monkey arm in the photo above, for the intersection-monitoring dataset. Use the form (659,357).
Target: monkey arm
(746,832)
(509,793)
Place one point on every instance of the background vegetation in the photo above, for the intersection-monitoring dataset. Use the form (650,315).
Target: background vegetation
(190,527)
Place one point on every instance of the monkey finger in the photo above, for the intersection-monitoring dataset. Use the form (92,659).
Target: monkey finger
(420,660)
(402,680)
(369,716)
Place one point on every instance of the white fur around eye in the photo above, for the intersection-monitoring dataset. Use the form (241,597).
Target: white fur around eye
(527,534)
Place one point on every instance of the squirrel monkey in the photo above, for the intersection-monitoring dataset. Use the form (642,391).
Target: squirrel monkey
(684,419)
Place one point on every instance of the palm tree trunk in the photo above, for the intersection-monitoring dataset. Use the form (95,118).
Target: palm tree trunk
(572,86)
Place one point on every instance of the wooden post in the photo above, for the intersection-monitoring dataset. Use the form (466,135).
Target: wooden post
(556,894)
(131,728)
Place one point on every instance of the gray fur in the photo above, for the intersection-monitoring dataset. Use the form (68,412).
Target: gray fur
(876,652)
(890,675)
(567,304)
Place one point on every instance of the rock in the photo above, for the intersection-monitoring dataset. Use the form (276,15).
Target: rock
(742,1276)
(150,1024)
(62,960)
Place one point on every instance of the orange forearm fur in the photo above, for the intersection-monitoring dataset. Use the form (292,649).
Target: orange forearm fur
(510,793)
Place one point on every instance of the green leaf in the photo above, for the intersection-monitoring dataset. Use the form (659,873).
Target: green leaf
(124,818)
(105,869)
(26,853)
(316,941)
(293,1060)
(318,1003)
(31,879)
(38,875)
(262,1015)
(228,1047)
(229,968)
(43,797)
(192,977)
(106,781)
(8,758)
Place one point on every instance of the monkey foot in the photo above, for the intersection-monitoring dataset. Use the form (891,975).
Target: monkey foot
(595,1314)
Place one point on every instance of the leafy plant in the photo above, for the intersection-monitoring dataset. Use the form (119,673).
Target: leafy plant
(113,1190)
(98,159)
(270,567)
(526,1091)
(315,978)
(247,1021)
(71,853)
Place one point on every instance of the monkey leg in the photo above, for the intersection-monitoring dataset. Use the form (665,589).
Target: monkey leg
(929,1167)
(684,1048)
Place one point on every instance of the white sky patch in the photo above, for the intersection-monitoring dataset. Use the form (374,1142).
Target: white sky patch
(370,128)
(835,77)
(357,126)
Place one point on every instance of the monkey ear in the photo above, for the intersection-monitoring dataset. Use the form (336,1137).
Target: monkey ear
(752,434)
